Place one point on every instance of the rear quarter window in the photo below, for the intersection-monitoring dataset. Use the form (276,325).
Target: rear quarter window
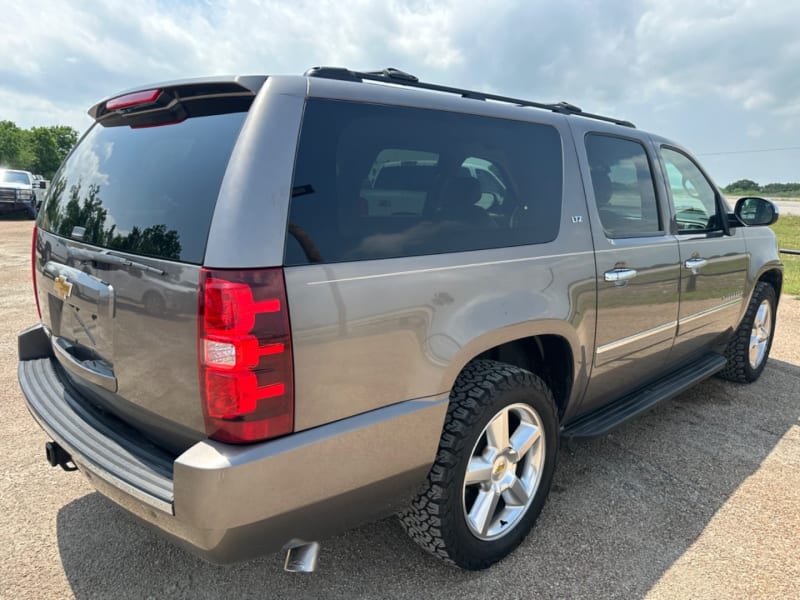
(376,181)
(148,191)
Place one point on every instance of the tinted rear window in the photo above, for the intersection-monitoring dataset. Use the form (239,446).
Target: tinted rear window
(148,191)
(377,181)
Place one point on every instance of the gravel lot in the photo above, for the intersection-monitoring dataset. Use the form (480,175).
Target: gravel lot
(788,207)
(699,498)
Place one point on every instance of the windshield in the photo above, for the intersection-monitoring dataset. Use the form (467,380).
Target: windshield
(14,177)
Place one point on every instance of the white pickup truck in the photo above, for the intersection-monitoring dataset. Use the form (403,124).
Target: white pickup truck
(19,190)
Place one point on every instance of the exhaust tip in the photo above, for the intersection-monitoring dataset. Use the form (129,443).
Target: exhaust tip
(302,557)
(58,457)
(50,449)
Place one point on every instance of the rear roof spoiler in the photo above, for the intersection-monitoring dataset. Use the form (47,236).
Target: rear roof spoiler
(174,101)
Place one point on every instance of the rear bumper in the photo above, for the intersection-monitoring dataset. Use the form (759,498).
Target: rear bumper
(229,503)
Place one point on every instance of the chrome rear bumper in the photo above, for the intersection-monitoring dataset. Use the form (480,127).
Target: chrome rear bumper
(229,503)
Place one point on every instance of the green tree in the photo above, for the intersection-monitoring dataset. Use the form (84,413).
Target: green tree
(743,184)
(26,157)
(39,149)
(66,137)
(10,143)
(777,188)
(45,150)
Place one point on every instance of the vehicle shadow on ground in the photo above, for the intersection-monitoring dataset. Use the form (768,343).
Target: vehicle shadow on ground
(623,508)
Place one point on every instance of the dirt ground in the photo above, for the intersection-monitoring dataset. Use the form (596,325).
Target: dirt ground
(698,498)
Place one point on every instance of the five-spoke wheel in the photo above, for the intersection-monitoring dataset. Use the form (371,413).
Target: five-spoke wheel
(760,334)
(504,471)
(748,349)
(493,469)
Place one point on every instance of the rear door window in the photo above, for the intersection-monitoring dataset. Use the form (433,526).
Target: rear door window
(622,181)
(149,191)
(382,181)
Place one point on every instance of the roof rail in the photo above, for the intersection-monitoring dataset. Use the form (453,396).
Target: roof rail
(398,77)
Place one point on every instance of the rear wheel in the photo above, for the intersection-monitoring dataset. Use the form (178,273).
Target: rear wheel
(493,469)
(748,350)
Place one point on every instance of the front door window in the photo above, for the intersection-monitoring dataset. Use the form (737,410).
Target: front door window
(693,196)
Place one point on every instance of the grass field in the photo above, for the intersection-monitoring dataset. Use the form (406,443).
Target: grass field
(781,195)
(788,231)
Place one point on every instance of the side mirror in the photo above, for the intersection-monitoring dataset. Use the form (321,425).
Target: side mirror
(42,185)
(754,211)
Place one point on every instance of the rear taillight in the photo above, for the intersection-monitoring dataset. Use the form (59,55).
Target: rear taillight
(33,270)
(245,355)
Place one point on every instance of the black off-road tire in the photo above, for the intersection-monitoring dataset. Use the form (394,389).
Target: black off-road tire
(435,520)
(737,351)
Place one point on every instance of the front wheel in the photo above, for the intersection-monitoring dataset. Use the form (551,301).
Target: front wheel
(748,350)
(493,469)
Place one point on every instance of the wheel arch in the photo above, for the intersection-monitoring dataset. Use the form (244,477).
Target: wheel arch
(551,352)
(774,277)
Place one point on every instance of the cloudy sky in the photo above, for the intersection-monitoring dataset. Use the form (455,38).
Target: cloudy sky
(722,78)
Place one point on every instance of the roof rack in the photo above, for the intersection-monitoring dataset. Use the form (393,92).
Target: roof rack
(398,77)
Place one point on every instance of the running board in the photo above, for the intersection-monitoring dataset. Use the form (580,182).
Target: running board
(608,417)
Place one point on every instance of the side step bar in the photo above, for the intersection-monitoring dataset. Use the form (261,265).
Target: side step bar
(611,416)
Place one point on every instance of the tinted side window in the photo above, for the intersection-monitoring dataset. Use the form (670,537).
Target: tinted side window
(400,182)
(693,197)
(148,191)
(492,183)
(381,181)
(623,186)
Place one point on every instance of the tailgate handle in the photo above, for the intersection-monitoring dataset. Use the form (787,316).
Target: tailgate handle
(79,369)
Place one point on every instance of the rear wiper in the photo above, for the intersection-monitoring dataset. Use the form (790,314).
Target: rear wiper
(111,259)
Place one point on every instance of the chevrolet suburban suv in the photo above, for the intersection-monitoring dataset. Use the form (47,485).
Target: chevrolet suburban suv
(379,296)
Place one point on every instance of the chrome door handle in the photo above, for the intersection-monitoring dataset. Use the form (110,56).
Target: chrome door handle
(695,263)
(618,275)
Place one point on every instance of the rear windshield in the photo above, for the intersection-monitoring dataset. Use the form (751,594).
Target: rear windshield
(148,191)
(375,181)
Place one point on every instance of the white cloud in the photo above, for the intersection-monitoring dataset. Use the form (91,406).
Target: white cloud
(696,70)
(755,131)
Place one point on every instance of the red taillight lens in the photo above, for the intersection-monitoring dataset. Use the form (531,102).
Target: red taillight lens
(245,355)
(135,99)
(33,269)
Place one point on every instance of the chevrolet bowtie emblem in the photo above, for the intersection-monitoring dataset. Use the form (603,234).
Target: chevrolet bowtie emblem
(62,287)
